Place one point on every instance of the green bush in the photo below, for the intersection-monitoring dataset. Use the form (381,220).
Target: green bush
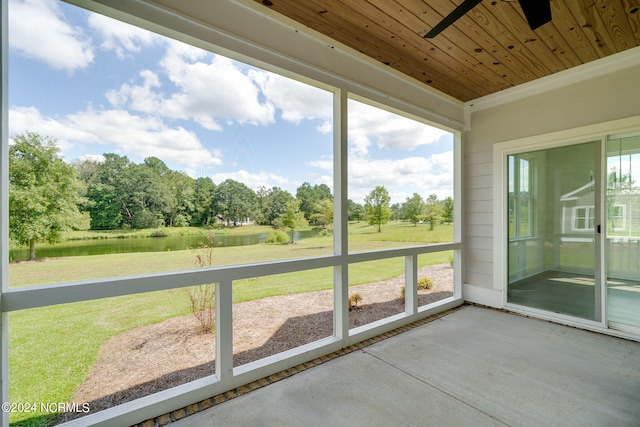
(425,283)
(354,299)
(325,233)
(158,233)
(277,236)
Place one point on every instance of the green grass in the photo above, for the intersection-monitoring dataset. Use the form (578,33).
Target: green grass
(53,348)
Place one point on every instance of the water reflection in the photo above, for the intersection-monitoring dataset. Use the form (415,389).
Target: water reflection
(145,244)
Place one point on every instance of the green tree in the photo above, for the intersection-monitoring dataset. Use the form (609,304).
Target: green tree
(355,211)
(309,196)
(203,213)
(104,209)
(270,204)
(109,193)
(376,206)
(413,208)
(293,217)
(43,191)
(447,210)
(149,198)
(396,211)
(323,213)
(234,201)
(181,198)
(433,211)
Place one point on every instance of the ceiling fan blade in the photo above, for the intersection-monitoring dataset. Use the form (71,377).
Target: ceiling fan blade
(537,12)
(464,7)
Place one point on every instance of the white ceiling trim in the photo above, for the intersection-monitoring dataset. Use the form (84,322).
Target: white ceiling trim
(594,69)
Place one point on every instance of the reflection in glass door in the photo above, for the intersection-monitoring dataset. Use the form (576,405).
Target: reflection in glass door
(623,231)
(552,225)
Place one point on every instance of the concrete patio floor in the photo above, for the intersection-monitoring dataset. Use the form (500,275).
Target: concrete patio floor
(473,367)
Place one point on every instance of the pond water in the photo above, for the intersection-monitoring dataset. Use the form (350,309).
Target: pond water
(145,244)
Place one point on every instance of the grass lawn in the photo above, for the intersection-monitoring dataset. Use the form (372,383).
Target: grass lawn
(53,348)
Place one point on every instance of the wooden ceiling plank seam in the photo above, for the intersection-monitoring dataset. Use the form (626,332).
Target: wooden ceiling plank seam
(510,15)
(556,43)
(548,34)
(406,17)
(557,40)
(510,22)
(356,19)
(632,12)
(591,22)
(310,17)
(483,53)
(615,21)
(489,49)
(518,63)
(383,40)
(567,24)
(604,39)
(453,58)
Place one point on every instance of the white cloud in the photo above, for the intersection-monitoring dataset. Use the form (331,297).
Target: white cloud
(255,180)
(23,119)
(207,88)
(296,100)
(120,37)
(140,98)
(98,158)
(325,127)
(117,131)
(402,177)
(322,164)
(38,29)
(369,124)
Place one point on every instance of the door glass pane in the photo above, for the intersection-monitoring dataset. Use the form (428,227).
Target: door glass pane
(623,230)
(551,251)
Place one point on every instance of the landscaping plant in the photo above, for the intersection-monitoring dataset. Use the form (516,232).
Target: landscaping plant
(202,297)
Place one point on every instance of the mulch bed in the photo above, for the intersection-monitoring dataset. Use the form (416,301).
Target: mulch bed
(156,357)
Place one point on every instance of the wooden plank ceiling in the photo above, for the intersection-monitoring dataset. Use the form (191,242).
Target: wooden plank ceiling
(489,49)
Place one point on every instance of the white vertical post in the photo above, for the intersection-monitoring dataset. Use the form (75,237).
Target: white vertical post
(600,232)
(224,330)
(458,219)
(340,219)
(411,284)
(4,203)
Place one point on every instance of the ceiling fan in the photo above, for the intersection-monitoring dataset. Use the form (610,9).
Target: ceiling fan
(537,13)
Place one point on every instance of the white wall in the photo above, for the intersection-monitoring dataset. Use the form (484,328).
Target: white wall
(599,92)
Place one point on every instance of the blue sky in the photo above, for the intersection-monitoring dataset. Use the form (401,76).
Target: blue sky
(100,86)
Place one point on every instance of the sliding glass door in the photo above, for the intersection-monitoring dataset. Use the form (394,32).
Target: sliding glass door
(553,238)
(623,231)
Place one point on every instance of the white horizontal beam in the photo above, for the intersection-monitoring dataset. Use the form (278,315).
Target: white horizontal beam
(47,295)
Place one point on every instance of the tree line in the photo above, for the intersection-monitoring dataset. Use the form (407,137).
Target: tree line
(48,195)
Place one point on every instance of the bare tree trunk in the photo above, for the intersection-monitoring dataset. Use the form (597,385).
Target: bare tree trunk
(32,250)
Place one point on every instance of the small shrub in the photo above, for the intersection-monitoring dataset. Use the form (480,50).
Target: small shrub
(325,233)
(202,306)
(354,299)
(202,297)
(403,292)
(158,233)
(451,261)
(277,236)
(425,283)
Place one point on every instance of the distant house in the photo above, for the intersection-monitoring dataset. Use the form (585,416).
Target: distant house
(578,212)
